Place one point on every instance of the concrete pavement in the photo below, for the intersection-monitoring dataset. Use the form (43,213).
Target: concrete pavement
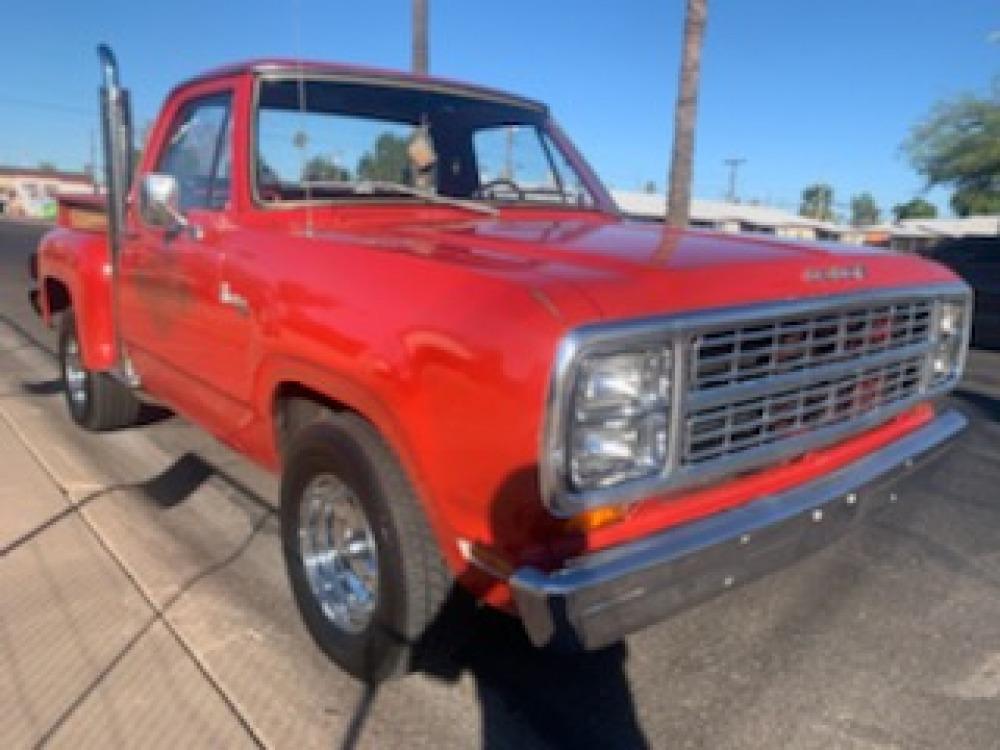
(144,598)
(143,602)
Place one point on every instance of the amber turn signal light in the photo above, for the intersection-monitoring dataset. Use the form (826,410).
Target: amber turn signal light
(596,518)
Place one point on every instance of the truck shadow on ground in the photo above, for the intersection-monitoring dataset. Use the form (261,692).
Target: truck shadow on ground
(149,413)
(527,697)
(533,697)
(538,698)
(530,697)
(986,407)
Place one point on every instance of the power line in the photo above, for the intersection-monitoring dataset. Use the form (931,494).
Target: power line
(38,104)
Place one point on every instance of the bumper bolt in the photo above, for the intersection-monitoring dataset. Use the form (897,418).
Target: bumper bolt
(817,515)
(893,497)
(745,539)
(728,581)
(852,499)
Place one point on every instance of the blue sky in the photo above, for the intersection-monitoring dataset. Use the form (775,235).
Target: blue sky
(804,91)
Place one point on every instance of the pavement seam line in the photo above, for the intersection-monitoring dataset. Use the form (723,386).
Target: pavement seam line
(70,505)
(159,616)
(76,508)
(28,337)
(96,682)
(29,535)
(158,613)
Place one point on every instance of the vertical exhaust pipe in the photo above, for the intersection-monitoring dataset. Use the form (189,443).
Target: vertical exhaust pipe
(116,132)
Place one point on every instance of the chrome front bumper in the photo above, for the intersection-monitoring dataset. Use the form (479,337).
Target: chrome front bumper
(599,598)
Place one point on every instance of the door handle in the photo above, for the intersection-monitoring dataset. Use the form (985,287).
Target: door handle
(230,298)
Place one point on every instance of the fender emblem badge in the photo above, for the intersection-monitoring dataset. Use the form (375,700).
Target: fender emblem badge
(835,273)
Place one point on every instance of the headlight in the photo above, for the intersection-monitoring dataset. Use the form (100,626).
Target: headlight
(618,420)
(952,323)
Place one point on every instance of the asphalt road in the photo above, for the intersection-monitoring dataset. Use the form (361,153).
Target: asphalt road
(889,638)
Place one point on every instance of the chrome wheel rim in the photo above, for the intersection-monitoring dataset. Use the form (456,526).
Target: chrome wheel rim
(74,374)
(338,552)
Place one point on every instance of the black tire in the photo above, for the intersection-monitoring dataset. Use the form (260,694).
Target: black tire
(97,402)
(415,587)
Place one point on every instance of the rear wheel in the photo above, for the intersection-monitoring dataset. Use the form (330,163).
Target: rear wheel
(96,400)
(365,569)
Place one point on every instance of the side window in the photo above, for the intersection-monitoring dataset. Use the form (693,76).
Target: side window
(197,153)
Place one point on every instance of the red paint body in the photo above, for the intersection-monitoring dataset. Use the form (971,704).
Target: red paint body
(437,325)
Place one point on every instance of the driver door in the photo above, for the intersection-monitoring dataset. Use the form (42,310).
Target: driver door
(176,331)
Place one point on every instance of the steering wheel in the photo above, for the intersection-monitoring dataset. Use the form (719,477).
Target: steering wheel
(488,186)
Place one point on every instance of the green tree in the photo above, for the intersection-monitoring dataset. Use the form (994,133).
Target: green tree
(46,166)
(817,202)
(649,187)
(864,210)
(917,208)
(321,169)
(958,144)
(388,159)
(980,199)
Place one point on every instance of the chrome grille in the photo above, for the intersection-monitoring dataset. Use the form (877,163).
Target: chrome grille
(755,351)
(733,428)
(764,383)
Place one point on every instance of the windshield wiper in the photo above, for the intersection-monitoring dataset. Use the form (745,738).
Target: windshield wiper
(371,187)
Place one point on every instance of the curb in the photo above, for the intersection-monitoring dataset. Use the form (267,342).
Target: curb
(27,221)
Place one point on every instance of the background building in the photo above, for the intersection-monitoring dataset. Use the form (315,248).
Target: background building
(31,192)
(740,217)
(917,235)
(909,235)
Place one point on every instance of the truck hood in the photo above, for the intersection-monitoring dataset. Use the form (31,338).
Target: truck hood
(631,269)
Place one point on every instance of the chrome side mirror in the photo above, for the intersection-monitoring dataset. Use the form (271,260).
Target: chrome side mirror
(159,202)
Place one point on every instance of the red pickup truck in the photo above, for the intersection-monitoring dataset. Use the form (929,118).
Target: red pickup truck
(414,299)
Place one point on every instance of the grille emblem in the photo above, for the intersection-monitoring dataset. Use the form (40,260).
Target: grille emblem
(835,273)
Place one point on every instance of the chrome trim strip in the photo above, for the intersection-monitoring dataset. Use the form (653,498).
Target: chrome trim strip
(599,592)
(677,331)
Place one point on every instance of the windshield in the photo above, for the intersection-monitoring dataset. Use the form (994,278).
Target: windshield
(327,140)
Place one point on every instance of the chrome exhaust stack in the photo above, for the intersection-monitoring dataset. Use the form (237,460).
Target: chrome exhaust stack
(116,134)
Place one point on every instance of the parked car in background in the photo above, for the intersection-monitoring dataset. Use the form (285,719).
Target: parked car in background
(977,260)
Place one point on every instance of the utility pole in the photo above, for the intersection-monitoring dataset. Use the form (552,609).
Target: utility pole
(420,36)
(508,162)
(734,166)
(682,157)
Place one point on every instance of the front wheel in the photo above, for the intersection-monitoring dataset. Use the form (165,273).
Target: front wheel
(96,400)
(365,569)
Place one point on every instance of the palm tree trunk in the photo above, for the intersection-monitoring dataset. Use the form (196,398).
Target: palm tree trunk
(420,36)
(679,198)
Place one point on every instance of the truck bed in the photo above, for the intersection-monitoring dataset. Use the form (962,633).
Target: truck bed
(87,213)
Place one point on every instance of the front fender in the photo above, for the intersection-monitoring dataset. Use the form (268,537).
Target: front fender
(79,262)
(361,398)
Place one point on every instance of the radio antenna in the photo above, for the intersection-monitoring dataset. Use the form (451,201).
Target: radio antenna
(301,139)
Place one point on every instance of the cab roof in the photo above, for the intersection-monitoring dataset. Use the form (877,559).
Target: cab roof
(286,67)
